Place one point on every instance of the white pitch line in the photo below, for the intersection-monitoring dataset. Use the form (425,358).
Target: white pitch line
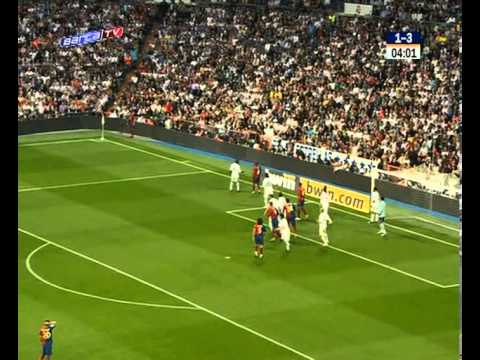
(55,142)
(110,181)
(162,290)
(38,277)
(402,229)
(450,286)
(286,192)
(355,255)
(247,209)
(436,223)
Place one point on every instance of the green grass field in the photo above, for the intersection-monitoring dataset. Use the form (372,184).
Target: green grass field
(139,252)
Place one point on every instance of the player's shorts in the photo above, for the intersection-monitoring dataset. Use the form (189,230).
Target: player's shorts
(259,240)
(374,207)
(292,219)
(381,220)
(234,179)
(47,349)
(256,180)
(301,204)
(274,223)
(322,230)
(285,236)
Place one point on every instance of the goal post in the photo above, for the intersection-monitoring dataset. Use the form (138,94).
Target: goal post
(429,183)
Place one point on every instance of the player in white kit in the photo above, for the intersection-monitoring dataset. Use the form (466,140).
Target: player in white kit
(325,203)
(281,202)
(375,201)
(235,172)
(322,227)
(267,188)
(284,231)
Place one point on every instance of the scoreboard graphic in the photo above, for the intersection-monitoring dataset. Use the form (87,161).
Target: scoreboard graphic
(404,46)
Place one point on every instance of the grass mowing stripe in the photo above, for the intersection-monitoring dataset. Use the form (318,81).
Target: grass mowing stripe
(41,143)
(162,290)
(233,213)
(110,181)
(249,182)
(38,277)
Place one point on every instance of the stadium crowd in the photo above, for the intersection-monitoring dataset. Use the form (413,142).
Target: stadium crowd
(264,78)
(53,81)
(271,78)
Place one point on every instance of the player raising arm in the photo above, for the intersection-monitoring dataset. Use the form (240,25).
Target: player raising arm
(256,173)
(46,339)
(258,234)
(267,188)
(325,203)
(235,172)
(301,201)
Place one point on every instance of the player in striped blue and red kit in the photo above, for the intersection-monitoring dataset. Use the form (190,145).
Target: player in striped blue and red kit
(258,234)
(46,339)
(272,213)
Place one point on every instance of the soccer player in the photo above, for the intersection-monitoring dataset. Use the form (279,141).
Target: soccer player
(322,225)
(290,214)
(374,206)
(258,233)
(256,173)
(235,172)
(46,339)
(325,203)
(281,203)
(382,212)
(284,231)
(301,201)
(267,188)
(272,212)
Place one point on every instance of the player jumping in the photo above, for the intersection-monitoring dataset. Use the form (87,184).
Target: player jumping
(301,201)
(258,233)
(256,173)
(46,339)
(235,172)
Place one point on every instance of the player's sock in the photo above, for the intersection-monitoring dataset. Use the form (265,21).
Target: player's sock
(372,218)
(238,186)
(231,185)
(287,246)
(382,228)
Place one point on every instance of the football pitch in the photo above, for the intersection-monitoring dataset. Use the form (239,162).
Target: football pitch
(139,251)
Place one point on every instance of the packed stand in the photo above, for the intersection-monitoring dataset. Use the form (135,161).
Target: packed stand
(54,81)
(270,79)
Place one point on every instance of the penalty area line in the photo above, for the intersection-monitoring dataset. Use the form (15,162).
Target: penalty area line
(286,192)
(392,268)
(170,293)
